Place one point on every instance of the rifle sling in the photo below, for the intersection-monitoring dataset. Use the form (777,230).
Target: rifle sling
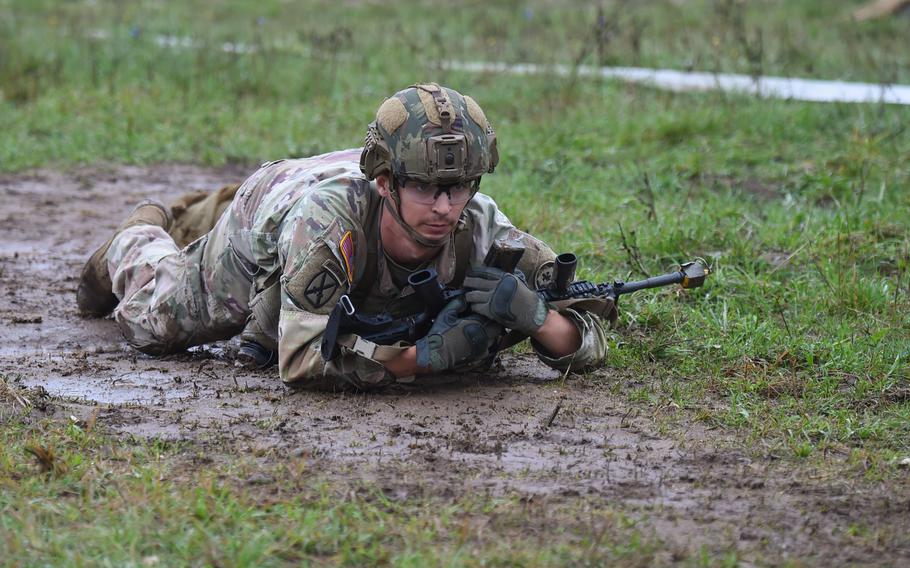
(370,350)
(464,245)
(365,280)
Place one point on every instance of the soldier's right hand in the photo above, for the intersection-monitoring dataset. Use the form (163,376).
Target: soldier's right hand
(505,298)
(457,340)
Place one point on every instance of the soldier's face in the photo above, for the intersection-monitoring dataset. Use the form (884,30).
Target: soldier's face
(429,211)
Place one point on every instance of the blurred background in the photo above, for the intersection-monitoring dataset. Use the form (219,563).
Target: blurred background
(215,82)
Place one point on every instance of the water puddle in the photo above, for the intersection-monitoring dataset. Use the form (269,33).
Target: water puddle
(144,387)
(788,88)
(681,81)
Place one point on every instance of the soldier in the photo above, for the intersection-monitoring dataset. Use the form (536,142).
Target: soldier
(299,233)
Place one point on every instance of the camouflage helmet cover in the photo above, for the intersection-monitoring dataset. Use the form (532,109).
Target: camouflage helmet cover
(430,134)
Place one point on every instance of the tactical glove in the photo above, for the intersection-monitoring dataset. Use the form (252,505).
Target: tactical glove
(504,298)
(456,340)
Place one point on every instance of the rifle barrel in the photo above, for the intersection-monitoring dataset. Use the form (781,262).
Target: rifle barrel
(654,282)
(690,275)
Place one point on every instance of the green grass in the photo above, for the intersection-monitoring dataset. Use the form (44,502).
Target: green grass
(103,502)
(798,344)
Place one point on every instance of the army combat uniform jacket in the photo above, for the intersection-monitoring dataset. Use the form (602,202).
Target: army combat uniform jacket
(297,235)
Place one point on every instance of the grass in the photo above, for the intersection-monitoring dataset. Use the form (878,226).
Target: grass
(798,344)
(70,496)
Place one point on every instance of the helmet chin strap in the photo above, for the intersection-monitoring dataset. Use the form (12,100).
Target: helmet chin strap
(429,243)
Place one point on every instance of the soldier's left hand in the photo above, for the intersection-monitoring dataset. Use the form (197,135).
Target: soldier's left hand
(504,298)
(457,339)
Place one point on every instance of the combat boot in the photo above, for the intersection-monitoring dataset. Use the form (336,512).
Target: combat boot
(94,296)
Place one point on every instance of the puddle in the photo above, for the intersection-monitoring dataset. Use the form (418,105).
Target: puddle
(790,88)
(681,81)
(143,387)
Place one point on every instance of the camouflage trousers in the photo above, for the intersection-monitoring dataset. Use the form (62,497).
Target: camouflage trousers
(171,298)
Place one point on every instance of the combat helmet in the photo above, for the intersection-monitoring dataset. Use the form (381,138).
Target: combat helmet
(430,134)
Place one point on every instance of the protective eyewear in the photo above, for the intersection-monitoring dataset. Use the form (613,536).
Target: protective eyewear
(426,194)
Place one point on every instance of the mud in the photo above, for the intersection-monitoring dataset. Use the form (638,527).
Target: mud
(520,430)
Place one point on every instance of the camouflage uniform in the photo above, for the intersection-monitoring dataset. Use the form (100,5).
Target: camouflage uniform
(299,234)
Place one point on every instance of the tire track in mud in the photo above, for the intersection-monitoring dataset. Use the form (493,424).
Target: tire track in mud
(520,430)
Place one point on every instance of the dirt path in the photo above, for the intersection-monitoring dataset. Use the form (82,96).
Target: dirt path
(521,430)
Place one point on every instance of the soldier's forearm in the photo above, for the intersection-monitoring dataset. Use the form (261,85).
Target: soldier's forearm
(405,364)
(558,335)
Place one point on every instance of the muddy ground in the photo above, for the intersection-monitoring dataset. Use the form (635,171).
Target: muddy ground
(687,485)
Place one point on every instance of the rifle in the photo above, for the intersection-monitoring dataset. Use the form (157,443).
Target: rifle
(383,329)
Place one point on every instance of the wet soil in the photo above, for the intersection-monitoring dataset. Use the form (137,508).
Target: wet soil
(520,430)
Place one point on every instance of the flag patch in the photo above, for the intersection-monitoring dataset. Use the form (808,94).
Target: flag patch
(346,247)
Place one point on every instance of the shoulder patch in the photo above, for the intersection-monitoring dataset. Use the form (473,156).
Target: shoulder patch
(346,248)
(316,285)
(544,275)
(320,288)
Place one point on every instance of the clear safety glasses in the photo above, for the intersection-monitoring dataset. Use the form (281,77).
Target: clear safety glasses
(427,194)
